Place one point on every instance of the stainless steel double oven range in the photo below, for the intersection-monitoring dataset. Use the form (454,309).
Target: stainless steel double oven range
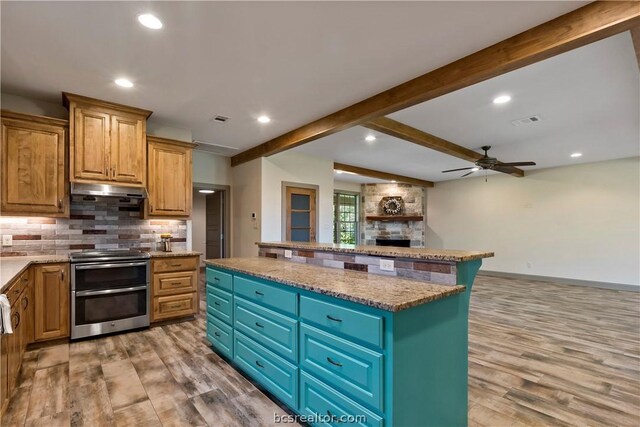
(109,291)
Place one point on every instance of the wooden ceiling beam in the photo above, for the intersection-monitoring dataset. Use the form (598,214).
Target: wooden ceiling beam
(381,175)
(590,23)
(405,132)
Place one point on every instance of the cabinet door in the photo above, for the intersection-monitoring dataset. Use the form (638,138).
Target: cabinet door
(15,342)
(33,161)
(90,146)
(128,150)
(170,178)
(27,313)
(51,301)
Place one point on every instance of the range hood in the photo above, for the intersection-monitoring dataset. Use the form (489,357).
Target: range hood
(106,190)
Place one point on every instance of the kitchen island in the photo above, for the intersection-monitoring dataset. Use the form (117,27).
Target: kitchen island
(335,344)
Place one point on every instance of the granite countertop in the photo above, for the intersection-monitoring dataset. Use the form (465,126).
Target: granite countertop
(389,251)
(11,267)
(179,252)
(384,292)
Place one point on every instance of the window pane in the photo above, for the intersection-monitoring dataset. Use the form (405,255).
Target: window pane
(300,201)
(300,219)
(300,235)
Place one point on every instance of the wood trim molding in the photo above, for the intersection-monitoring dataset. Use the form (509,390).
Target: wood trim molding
(152,138)
(382,175)
(590,23)
(405,132)
(68,98)
(7,114)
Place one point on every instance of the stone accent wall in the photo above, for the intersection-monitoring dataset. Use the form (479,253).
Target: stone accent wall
(92,225)
(414,198)
(443,272)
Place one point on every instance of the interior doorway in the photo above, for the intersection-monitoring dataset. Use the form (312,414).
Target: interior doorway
(214,225)
(300,214)
(210,220)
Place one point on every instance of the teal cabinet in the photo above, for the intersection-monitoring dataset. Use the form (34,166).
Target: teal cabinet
(341,362)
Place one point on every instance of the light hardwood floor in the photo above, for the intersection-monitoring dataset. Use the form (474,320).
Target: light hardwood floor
(539,354)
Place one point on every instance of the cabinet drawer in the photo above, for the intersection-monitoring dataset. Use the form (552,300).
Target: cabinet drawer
(273,372)
(275,331)
(317,398)
(220,304)
(14,291)
(349,368)
(161,265)
(364,327)
(266,295)
(174,283)
(220,336)
(219,279)
(175,306)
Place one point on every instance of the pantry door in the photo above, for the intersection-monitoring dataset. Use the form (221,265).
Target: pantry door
(301,214)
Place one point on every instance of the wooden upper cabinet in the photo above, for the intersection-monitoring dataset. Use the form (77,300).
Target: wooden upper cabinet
(107,142)
(33,165)
(170,178)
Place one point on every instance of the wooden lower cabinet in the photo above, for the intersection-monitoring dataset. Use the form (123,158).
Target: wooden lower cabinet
(51,318)
(174,290)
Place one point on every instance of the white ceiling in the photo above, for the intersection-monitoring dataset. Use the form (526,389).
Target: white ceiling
(295,61)
(588,99)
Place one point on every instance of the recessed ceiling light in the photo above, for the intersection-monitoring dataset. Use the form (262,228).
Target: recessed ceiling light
(475,169)
(150,21)
(264,119)
(124,82)
(393,181)
(370,138)
(574,155)
(502,99)
(206,191)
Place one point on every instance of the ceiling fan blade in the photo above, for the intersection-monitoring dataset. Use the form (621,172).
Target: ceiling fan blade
(519,164)
(461,169)
(468,173)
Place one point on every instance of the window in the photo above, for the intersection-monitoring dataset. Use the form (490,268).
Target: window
(345,218)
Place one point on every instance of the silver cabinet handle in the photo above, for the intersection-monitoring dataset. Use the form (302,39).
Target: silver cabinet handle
(335,319)
(333,362)
(114,265)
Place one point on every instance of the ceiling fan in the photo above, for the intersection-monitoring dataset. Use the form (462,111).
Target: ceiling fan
(491,163)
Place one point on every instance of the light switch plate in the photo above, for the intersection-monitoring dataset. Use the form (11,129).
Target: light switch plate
(7,240)
(287,253)
(386,264)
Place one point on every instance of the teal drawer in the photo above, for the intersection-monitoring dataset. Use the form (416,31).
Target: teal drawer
(364,327)
(318,399)
(220,335)
(273,372)
(349,368)
(220,304)
(219,279)
(275,331)
(267,295)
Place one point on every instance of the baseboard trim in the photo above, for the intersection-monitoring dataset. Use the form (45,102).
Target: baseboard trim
(575,282)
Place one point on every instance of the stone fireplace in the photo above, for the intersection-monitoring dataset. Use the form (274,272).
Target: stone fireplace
(374,231)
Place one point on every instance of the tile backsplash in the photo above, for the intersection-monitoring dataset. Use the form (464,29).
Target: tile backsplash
(91,225)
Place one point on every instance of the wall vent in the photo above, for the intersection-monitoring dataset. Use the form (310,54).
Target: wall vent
(219,119)
(526,120)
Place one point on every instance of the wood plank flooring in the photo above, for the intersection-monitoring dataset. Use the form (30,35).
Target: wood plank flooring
(540,354)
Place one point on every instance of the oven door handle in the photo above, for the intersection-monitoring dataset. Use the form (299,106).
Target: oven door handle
(110,291)
(114,265)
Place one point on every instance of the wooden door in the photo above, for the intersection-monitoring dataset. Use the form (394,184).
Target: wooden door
(90,146)
(51,301)
(215,225)
(128,150)
(170,178)
(33,161)
(301,214)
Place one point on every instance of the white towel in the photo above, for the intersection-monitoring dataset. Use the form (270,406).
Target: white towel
(5,315)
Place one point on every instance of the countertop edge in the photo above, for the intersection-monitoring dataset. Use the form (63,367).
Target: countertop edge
(455,289)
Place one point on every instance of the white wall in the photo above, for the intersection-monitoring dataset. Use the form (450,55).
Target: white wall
(576,222)
(37,107)
(199,223)
(247,192)
(209,168)
(300,169)
(353,187)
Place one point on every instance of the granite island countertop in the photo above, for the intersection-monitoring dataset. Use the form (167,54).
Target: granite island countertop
(12,267)
(386,293)
(176,253)
(388,251)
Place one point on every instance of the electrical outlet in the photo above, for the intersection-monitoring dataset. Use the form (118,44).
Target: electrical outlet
(386,264)
(7,240)
(288,253)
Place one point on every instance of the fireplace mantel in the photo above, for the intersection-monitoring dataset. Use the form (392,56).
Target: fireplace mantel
(391,218)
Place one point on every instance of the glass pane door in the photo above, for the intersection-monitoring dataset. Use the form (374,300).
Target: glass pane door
(301,206)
